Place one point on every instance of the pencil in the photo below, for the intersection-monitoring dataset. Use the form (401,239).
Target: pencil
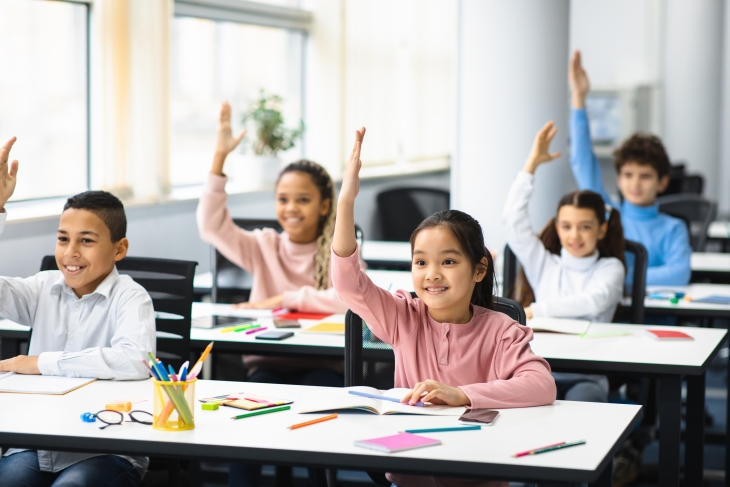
(314,421)
(439,430)
(528,452)
(263,411)
(205,355)
(551,448)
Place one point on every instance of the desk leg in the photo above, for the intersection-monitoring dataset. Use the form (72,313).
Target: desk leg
(670,400)
(9,348)
(606,478)
(695,431)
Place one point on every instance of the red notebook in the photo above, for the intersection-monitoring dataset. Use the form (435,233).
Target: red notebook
(668,335)
(303,316)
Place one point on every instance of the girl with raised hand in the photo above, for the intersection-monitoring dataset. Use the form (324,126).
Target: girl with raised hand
(574,268)
(450,346)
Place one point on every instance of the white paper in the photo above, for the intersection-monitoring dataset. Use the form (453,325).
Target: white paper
(41,384)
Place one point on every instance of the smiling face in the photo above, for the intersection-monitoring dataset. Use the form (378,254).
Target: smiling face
(579,230)
(299,206)
(640,183)
(443,276)
(85,253)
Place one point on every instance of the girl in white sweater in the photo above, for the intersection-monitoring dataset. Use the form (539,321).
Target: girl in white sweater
(574,268)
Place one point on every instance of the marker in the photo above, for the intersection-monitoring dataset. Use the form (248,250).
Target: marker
(234,329)
(550,448)
(263,411)
(606,335)
(439,430)
(314,421)
(247,327)
(256,330)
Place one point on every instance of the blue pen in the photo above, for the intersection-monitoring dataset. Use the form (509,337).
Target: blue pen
(383,398)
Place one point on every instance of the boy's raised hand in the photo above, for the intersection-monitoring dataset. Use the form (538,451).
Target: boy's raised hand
(7,178)
(579,84)
(351,177)
(226,142)
(541,148)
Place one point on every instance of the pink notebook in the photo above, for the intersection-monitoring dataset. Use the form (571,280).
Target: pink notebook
(399,442)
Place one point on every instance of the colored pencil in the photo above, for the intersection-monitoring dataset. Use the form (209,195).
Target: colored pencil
(553,447)
(439,430)
(314,421)
(263,411)
(528,452)
(256,330)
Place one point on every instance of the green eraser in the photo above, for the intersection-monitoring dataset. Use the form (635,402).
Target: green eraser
(674,300)
(210,406)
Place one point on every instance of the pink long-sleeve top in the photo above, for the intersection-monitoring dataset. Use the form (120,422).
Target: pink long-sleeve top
(279,266)
(489,358)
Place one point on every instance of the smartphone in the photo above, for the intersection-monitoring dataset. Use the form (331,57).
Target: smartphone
(274,335)
(282,323)
(481,416)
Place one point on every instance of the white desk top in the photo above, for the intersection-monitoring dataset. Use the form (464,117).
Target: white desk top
(719,229)
(696,291)
(710,262)
(376,250)
(487,451)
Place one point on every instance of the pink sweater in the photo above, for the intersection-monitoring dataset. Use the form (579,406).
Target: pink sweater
(489,358)
(278,265)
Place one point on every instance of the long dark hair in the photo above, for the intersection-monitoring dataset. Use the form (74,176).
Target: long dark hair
(611,245)
(469,234)
(325,232)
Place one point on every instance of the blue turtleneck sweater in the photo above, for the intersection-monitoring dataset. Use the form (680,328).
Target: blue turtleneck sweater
(666,238)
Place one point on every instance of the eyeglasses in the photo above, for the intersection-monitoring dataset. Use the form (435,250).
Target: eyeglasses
(116,418)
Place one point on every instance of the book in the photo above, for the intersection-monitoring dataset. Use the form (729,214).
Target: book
(714,299)
(341,399)
(41,384)
(247,401)
(668,335)
(396,443)
(559,325)
(326,328)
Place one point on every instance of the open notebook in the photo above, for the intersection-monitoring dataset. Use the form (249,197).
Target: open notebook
(558,325)
(40,384)
(341,399)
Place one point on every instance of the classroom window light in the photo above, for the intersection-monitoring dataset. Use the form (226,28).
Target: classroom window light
(43,94)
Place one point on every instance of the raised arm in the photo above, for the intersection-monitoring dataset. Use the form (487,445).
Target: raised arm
(515,217)
(583,161)
(8,178)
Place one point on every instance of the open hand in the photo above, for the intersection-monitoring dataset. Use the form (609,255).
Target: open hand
(579,84)
(270,303)
(351,177)
(541,148)
(225,142)
(22,364)
(7,178)
(436,393)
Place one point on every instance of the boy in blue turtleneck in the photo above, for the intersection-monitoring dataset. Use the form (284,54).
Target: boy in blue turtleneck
(642,167)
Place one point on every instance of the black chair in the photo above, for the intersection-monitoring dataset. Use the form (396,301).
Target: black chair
(229,280)
(365,354)
(637,292)
(170,285)
(400,210)
(697,213)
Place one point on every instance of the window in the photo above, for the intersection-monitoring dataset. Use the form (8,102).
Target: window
(214,61)
(43,94)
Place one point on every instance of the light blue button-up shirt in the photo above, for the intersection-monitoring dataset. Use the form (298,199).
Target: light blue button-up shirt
(104,335)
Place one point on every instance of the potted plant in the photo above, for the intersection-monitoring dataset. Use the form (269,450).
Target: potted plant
(270,135)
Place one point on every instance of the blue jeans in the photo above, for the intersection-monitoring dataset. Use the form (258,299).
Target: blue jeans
(249,474)
(22,470)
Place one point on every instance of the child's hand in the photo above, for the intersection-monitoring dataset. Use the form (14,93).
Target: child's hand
(528,312)
(351,178)
(541,148)
(269,303)
(22,364)
(579,84)
(226,141)
(7,179)
(436,393)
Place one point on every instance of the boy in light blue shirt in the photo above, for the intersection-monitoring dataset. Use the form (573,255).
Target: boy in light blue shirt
(642,168)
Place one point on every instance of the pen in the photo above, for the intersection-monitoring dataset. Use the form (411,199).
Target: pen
(263,411)
(314,421)
(256,329)
(606,335)
(439,430)
(548,448)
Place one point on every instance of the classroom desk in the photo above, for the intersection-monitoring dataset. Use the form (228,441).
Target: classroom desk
(389,255)
(477,454)
(714,266)
(687,308)
(720,231)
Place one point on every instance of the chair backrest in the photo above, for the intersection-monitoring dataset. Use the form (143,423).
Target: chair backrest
(639,258)
(228,276)
(400,210)
(170,285)
(361,346)
(692,209)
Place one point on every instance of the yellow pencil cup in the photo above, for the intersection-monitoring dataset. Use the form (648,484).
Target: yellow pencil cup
(174,405)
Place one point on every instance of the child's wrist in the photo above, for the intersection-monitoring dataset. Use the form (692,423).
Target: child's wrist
(578,101)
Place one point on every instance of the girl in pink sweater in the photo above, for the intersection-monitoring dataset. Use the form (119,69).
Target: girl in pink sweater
(450,346)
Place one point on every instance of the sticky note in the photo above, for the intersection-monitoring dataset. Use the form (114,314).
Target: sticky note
(210,406)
